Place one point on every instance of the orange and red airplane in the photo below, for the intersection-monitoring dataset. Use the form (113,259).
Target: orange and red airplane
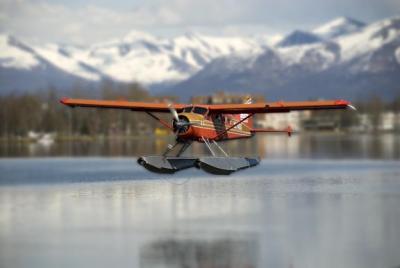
(207,124)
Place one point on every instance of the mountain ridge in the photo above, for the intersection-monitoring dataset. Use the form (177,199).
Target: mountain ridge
(354,66)
(193,62)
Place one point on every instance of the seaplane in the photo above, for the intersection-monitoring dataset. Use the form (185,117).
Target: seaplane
(207,124)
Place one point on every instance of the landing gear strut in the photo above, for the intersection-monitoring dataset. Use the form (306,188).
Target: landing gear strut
(184,146)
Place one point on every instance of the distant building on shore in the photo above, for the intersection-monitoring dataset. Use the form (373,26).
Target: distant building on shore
(387,122)
(281,121)
(390,121)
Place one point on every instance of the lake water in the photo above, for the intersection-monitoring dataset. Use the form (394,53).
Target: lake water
(333,201)
(320,145)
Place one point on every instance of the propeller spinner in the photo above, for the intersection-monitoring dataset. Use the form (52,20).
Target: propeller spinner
(180,123)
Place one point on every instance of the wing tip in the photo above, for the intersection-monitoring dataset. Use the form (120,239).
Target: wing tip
(64,101)
(342,102)
(348,104)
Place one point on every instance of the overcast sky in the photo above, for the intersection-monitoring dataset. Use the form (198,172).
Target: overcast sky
(85,22)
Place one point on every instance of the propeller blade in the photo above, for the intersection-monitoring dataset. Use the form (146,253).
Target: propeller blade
(173,111)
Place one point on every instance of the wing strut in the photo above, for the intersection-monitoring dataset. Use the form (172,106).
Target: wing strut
(161,121)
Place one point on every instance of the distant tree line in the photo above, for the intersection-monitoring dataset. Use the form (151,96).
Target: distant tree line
(41,111)
(373,107)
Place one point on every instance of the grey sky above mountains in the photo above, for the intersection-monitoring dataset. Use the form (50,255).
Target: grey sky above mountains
(85,22)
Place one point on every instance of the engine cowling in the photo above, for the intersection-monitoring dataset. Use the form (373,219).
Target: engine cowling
(181,126)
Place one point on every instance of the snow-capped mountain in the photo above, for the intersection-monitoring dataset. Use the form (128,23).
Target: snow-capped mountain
(354,65)
(343,53)
(23,67)
(14,54)
(137,57)
(149,59)
(338,27)
(370,40)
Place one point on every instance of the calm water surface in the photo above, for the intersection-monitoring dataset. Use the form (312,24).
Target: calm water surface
(319,145)
(319,208)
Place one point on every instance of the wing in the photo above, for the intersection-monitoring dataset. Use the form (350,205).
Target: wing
(278,107)
(266,107)
(121,104)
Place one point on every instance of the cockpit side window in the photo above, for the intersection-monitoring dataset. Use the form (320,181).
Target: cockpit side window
(218,118)
(199,110)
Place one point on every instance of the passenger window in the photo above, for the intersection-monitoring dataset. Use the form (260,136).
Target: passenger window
(218,119)
(187,109)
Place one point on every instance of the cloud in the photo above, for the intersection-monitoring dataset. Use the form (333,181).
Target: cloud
(87,23)
(59,22)
(55,22)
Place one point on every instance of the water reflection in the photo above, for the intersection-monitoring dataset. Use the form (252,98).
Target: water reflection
(320,145)
(200,252)
(308,213)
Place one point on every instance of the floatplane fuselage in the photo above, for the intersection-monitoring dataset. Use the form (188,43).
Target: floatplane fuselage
(207,124)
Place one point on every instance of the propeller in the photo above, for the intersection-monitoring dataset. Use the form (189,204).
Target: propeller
(180,124)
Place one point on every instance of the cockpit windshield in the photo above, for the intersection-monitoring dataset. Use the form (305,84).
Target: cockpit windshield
(199,110)
(195,109)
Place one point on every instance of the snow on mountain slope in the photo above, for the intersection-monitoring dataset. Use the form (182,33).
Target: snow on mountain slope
(137,56)
(61,58)
(369,39)
(230,65)
(317,56)
(23,69)
(15,55)
(212,47)
(338,27)
(144,58)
